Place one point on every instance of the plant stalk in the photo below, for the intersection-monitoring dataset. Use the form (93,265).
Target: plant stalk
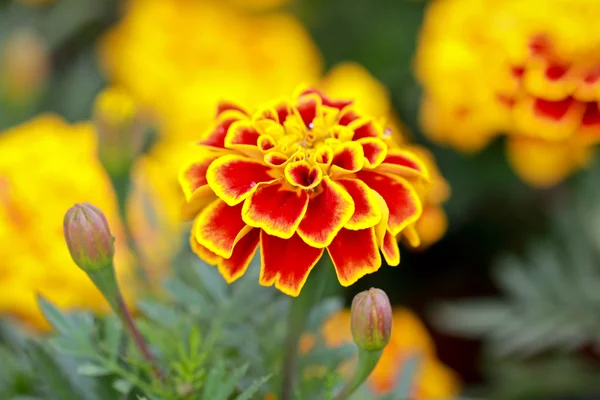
(367,360)
(299,312)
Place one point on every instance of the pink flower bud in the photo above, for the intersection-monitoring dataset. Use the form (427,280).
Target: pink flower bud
(371,319)
(88,237)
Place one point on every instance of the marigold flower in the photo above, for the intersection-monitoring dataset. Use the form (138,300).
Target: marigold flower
(178,72)
(490,67)
(299,177)
(433,380)
(33,199)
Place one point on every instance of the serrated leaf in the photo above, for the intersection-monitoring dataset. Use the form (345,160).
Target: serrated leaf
(55,317)
(213,380)
(227,387)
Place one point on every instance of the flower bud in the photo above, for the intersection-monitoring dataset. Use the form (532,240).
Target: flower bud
(88,237)
(121,130)
(371,320)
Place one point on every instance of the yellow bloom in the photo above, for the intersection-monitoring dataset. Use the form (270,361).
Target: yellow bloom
(45,168)
(530,69)
(433,380)
(179,58)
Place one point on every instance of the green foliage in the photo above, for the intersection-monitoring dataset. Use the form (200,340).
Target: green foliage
(211,340)
(551,298)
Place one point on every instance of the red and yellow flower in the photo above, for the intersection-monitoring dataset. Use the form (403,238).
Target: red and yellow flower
(299,177)
(491,67)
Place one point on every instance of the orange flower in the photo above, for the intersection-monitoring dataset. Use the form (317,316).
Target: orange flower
(432,379)
(491,67)
(299,177)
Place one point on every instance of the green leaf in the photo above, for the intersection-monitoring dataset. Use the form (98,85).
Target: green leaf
(55,317)
(52,377)
(213,380)
(227,387)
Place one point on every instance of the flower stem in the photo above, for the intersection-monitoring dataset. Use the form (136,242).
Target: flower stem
(298,315)
(106,281)
(367,360)
(137,337)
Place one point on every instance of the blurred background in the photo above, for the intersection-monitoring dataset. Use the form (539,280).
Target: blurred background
(98,99)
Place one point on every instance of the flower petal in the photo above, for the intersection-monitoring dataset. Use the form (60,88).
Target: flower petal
(193,174)
(235,266)
(243,137)
(375,151)
(589,131)
(339,104)
(234,177)
(403,163)
(228,106)
(201,197)
(347,116)
(307,108)
(303,175)
(401,199)
(411,234)
(276,159)
(385,240)
(354,254)
(390,249)
(278,211)
(550,120)
(205,254)
(219,227)
(347,158)
(216,135)
(366,128)
(286,263)
(367,212)
(327,213)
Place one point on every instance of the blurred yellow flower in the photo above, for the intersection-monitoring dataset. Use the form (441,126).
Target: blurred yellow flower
(179,58)
(47,166)
(154,207)
(432,380)
(529,69)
